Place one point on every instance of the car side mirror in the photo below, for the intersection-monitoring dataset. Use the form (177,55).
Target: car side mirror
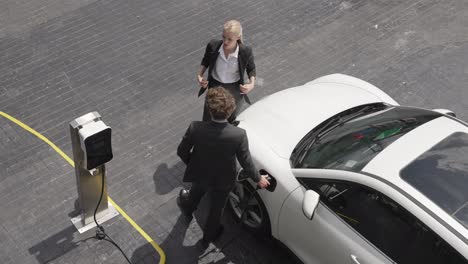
(310,202)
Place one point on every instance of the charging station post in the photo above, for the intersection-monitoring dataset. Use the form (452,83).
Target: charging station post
(91,144)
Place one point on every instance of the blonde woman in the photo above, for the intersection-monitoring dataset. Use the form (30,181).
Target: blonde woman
(230,64)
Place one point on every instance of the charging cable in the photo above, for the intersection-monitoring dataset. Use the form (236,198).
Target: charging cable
(100,233)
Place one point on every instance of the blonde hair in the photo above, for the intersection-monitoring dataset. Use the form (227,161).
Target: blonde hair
(220,103)
(234,26)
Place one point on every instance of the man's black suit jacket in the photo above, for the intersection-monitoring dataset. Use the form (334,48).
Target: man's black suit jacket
(210,149)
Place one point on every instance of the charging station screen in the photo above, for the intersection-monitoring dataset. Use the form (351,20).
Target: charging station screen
(98,149)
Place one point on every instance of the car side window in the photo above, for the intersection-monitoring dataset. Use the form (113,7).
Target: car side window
(384,223)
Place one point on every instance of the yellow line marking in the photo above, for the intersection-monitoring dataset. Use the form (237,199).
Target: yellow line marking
(161,253)
(32,131)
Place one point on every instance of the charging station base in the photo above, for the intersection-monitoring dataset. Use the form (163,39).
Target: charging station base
(108,214)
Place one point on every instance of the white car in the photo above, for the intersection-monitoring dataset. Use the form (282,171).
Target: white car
(356,177)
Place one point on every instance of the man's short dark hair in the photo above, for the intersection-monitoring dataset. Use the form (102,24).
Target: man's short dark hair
(220,103)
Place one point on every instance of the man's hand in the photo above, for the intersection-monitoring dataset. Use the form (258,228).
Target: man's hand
(263,183)
(202,82)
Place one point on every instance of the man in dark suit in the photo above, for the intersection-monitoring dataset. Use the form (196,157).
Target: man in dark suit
(210,149)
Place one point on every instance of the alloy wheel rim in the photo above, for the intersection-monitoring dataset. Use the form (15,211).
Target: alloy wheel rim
(253,215)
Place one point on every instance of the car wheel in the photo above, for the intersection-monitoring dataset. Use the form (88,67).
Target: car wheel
(248,208)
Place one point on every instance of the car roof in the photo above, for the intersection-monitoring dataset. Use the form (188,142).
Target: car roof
(391,161)
(388,163)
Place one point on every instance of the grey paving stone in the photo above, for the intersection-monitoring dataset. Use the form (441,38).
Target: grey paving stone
(135,62)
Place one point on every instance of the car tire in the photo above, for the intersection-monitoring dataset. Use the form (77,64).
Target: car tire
(254,216)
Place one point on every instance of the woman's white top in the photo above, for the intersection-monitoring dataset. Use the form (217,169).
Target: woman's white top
(227,69)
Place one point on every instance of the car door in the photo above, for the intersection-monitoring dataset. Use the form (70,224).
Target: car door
(355,222)
(326,238)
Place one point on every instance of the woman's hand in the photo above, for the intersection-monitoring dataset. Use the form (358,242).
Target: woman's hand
(246,88)
(202,82)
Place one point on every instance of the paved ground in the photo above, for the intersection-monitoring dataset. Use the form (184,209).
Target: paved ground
(135,61)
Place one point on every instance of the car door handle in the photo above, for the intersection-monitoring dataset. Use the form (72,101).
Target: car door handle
(354,258)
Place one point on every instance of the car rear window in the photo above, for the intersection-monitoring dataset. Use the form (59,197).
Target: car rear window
(441,174)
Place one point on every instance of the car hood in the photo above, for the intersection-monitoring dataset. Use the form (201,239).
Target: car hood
(284,118)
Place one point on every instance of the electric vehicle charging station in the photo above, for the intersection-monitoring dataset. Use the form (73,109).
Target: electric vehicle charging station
(91,144)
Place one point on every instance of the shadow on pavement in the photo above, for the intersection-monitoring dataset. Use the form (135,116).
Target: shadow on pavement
(56,245)
(182,245)
(166,179)
(173,247)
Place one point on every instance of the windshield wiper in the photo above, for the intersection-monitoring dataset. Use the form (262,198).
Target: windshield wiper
(310,140)
(339,121)
(331,124)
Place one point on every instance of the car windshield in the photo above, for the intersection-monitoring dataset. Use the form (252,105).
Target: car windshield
(441,174)
(351,144)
